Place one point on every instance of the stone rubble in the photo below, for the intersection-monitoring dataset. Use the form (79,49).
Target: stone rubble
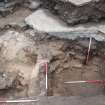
(73,14)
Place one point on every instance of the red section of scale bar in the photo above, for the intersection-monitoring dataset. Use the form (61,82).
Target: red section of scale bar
(3,103)
(46,67)
(96,81)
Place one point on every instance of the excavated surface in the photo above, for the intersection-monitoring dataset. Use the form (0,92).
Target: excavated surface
(22,52)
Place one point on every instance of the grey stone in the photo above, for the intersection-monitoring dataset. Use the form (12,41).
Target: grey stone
(43,21)
(78,2)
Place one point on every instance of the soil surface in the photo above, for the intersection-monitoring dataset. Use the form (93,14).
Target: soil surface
(97,100)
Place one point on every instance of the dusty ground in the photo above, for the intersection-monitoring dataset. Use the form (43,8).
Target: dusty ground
(97,100)
(16,18)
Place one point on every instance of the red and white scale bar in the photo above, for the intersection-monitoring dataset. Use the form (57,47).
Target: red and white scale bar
(17,101)
(88,51)
(89,81)
(46,71)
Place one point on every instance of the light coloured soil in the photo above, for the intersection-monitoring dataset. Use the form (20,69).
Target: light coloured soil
(17,17)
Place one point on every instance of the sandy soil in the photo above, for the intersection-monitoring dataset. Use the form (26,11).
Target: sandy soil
(17,17)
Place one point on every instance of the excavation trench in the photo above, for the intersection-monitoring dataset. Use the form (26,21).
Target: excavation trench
(70,65)
(23,55)
(24,52)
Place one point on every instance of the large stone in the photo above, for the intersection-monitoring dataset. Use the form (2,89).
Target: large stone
(78,2)
(43,21)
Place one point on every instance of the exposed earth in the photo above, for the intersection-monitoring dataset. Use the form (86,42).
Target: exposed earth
(43,31)
(66,63)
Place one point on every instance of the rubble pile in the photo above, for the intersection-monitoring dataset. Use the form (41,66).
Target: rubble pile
(76,11)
